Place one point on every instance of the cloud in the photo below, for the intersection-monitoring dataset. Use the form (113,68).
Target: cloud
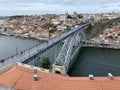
(119,5)
(17,1)
(68,2)
(57,6)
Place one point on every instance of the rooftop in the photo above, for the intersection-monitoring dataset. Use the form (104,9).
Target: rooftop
(20,77)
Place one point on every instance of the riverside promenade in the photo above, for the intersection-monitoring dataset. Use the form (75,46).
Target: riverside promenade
(102,44)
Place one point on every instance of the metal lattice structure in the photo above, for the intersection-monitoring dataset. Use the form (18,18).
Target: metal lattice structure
(68,48)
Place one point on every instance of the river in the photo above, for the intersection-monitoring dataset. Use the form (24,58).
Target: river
(96,61)
(2,21)
(11,45)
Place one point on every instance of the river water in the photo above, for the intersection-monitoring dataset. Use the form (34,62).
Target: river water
(96,61)
(11,45)
(2,21)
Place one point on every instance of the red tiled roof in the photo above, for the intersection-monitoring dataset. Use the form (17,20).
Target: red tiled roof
(21,78)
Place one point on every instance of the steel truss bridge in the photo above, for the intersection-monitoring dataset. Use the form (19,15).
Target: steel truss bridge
(72,41)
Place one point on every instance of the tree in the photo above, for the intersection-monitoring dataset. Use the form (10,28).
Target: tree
(48,25)
(69,17)
(89,29)
(53,30)
(68,28)
(80,16)
(2,60)
(45,62)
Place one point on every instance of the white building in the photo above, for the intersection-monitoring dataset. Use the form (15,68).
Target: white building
(63,17)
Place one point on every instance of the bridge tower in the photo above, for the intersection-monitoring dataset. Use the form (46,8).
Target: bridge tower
(68,52)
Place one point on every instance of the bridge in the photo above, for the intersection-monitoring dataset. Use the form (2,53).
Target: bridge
(72,41)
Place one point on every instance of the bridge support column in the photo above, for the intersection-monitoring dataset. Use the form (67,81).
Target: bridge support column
(59,69)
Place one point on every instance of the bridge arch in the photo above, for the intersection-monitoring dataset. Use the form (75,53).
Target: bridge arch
(68,52)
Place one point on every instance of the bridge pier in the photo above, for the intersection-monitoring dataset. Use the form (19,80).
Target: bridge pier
(59,69)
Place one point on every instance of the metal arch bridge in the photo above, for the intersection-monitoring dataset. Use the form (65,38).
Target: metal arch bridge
(68,52)
(69,37)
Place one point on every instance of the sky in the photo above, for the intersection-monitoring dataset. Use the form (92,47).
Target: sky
(32,7)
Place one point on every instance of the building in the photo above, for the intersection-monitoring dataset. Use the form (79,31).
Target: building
(63,17)
(20,76)
(56,21)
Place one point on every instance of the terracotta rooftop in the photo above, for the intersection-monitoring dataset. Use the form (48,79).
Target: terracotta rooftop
(21,78)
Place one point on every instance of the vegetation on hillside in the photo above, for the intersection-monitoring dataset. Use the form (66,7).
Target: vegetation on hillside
(89,29)
(98,27)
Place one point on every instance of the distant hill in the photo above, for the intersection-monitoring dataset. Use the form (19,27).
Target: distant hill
(100,27)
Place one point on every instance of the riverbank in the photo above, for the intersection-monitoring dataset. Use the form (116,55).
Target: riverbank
(24,37)
(102,45)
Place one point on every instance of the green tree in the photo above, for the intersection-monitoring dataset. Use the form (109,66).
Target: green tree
(69,17)
(45,62)
(68,27)
(54,29)
(48,25)
(80,16)
(2,60)
(89,29)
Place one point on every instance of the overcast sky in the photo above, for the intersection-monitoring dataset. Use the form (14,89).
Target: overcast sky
(16,7)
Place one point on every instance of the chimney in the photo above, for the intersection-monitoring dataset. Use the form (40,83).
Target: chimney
(91,77)
(110,76)
(35,77)
(35,70)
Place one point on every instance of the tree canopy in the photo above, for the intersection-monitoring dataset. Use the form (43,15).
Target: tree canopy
(45,62)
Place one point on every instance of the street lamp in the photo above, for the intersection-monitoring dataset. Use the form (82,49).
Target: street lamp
(40,64)
(29,53)
(16,50)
